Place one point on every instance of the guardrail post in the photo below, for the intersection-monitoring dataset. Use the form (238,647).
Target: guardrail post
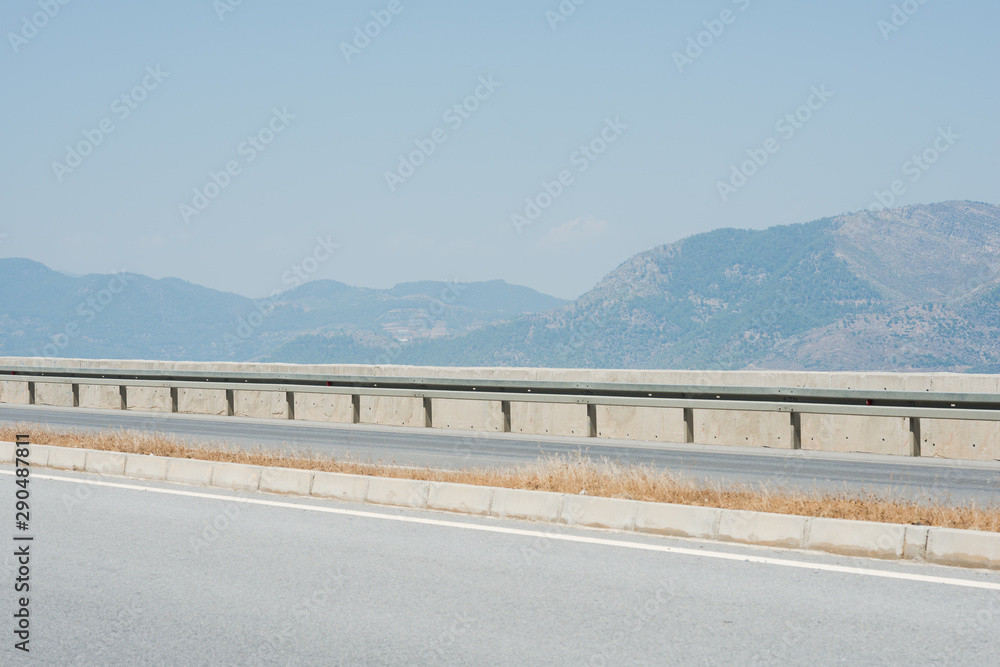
(31,393)
(230,402)
(356,408)
(123,395)
(688,425)
(914,436)
(428,413)
(174,399)
(505,409)
(795,421)
(290,400)
(76,395)
(591,420)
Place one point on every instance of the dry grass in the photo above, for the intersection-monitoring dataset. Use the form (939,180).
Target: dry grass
(605,478)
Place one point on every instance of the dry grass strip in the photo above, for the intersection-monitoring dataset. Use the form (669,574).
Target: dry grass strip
(576,475)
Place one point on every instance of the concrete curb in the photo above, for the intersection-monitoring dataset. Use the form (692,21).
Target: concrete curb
(941,546)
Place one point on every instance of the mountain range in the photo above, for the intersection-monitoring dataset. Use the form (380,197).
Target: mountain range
(914,288)
(127,315)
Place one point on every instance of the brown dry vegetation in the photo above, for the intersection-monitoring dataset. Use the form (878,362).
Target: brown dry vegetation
(605,478)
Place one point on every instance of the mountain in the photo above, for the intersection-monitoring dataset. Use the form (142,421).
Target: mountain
(47,313)
(916,288)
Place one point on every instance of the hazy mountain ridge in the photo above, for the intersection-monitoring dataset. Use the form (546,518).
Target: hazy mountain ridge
(904,289)
(48,313)
(916,288)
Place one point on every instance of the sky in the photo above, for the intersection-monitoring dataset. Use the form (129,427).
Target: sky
(543,143)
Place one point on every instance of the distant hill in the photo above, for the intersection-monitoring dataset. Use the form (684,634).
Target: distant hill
(916,288)
(47,313)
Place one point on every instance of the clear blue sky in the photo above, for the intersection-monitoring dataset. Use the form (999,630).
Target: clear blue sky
(323,175)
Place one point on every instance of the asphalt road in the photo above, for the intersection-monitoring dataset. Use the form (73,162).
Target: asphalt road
(939,479)
(167,574)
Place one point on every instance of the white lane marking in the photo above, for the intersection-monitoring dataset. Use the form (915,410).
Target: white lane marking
(720,555)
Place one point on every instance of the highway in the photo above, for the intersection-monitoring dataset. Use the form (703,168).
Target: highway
(126,572)
(942,480)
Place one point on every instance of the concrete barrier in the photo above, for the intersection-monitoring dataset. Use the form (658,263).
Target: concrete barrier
(190,471)
(144,466)
(399,492)
(236,476)
(877,435)
(966,548)
(324,408)
(149,399)
(915,542)
(530,505)
(772,530)
(350,488)
(67,458)
(105,463)
(15,393)
(38,455)
(677,520)
(593,512)
(100,396)
(202,402)
(261,404)
(463,498)
(50,393)
(856,538)
(285,480)
(943,546)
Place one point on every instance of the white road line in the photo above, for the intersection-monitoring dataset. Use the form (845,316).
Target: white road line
(720,555)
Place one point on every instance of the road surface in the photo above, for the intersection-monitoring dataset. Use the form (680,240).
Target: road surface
(151,573)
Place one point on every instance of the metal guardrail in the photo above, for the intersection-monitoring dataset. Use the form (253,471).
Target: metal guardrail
(795,401)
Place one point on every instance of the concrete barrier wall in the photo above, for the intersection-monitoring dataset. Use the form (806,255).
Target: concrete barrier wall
(884,435)
(264,404)
(100,396)
(14,392)
(466,415)
(324,408)
(391,411)
(47,393)
(201,401)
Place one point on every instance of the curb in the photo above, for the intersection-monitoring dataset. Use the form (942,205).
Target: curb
(940,546)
